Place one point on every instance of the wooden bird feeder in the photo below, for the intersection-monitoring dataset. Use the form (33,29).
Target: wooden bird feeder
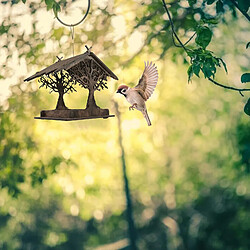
(89,72)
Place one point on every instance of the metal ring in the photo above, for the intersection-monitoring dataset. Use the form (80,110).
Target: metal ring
(72,25)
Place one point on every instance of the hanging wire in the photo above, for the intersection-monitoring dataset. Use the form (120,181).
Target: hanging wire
(75,24)
(72,30)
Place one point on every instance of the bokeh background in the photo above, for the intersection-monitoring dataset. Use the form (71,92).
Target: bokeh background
(62,183)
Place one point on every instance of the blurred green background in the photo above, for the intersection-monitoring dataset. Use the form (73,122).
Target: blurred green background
(61,182)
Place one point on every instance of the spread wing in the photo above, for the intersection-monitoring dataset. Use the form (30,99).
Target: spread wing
(148,81)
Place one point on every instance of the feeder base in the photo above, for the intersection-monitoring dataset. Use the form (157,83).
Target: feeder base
(74,114)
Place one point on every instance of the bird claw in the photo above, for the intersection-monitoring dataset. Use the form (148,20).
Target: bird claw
(133,106)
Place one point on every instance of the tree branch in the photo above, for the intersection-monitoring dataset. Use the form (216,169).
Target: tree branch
(242,11)
(227,87)
(179,46)
(186,50)
(190,38)
(172,26)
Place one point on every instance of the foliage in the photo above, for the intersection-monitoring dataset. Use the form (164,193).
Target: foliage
(189,174)
(200,58)
(52,4)
(18,151)
(247,107)
(203,60)
(57,80)
(245,78)
(87,71)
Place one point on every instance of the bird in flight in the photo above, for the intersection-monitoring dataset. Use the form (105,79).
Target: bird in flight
(138,95)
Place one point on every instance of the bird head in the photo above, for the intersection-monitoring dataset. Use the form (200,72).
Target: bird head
(122,89)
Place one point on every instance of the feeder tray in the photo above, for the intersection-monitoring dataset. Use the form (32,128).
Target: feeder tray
(89,72)
(72,119)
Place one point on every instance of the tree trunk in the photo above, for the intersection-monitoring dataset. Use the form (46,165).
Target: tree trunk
(60,102)
(91,104)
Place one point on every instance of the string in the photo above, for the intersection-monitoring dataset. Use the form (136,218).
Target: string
(72,30)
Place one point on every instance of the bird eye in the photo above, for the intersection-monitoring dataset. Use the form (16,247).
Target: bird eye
(123,90)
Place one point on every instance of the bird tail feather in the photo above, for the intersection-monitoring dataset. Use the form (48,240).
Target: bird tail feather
(145,114)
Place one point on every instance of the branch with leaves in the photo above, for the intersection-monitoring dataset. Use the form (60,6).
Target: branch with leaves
(203,60)
(58,81)
(88,74)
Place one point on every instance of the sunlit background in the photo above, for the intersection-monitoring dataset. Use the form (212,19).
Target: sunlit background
(62,182)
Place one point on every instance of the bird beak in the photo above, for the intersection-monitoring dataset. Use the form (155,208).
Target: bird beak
(118,91)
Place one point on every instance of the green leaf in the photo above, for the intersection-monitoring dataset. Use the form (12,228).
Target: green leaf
(208,69)
(4,29)
(192,2)
(245,78)
(58,33)
(224,64)
(24,1)
(40,46)
(190,72)
(196,69)
(219,7)
(244,5)
(211,20)
(209,2)
(204,36)
(56,8)
(49,4)
(247,107)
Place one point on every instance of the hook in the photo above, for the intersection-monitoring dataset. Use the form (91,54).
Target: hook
(72,25)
